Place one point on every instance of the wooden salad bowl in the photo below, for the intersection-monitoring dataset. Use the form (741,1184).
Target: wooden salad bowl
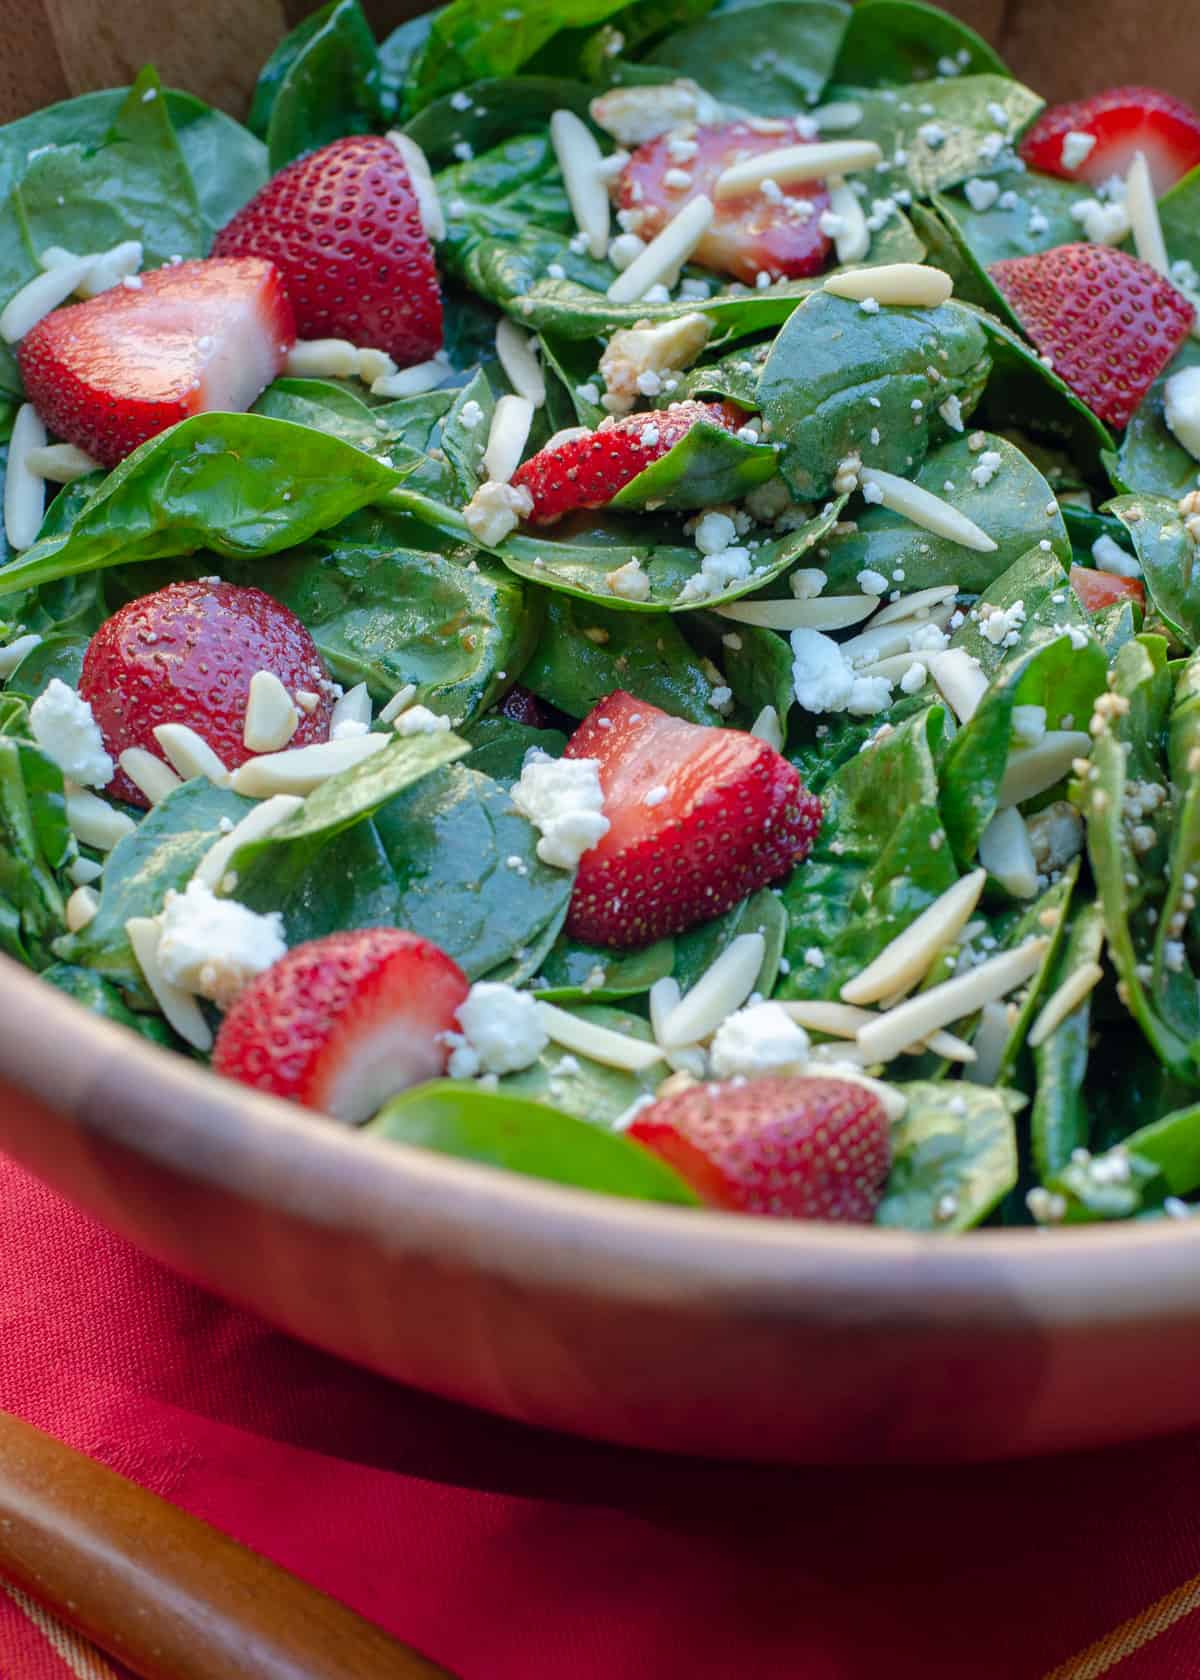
(624,1321)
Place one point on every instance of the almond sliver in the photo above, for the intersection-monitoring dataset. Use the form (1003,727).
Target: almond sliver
(516,357)
(717,993)
(507,437)
(1142,209)
(950,1001)
(820,612)
(61,463)
(24,490)
(961,679)
(429,205)
(906,961)
(911,606)
(255,825)
(665,254)
(1064,1001)
(580,159)
(303,768)
(149,774)
(601,1044)
(94,822)
(1005,851)
(903,285)
(930,512)
(797,163)
(189,754)
(1031,770)
(180,1007)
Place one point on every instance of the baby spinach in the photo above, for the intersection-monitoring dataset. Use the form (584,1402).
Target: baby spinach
(499,746)
(578,973)
(1151,460)
(589,1090)
(1059,1119)
(1168,557)
(322,82)
(499,107)
(65,615)
(1031,213)
(100,997)
(707,466)
(756,663)
(239,484)
(954,1157)
(840,381)
(1179,213)
(518,1135)
(772,57)
(465,444)
(698,949)
(35,843)
(893,41)
(471,39)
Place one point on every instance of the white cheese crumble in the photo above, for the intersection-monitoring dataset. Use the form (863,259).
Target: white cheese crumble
(564,801)
(761,1038)
(419,720)
(215,946)
(714,532)
(1111,557)
(1077,147)
(65,730)
(986,468)
(495,511)
(629,581)
(951,413)
(501,1032)
(1102,224)
(1181,408)
(717,572)
(981,194)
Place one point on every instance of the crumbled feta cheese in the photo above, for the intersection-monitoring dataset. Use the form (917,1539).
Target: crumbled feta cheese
(981,194)
(871,583)
(215,946)
(1037,223)
(717,572)
(68,734)
(868,695)
(1111,557)
(629,581)
(761,1038)
(872,493)
(501,1032)
(419,720)
(714,532)
(470,414)
(951,413)
(636,352)
(869,306)
(822,679)
(807,583)
(1181,408)
(986,468)
(913,680)
(933,134)
(495,511)
(624,249)
(1077,147)
(564,801)
(1103,224)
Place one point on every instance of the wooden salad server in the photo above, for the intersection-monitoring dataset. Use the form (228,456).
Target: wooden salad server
(162,1592)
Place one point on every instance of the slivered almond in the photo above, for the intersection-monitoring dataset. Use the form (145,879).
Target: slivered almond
(93,821)
(12,653)
(354,707)
(837,116)
(664,996)
(24,491)
(907,960)
(189,754)
(767,727)
(854,241)
(930,512)
(180,1007)
(255,825)
(665,254)
(961,679)
(1006,852)
(149,774)
(797,163)
(371,365)
(80,909)
(271,715)
(303,768)
(516,357)
(1031,770)
(912,606)
(872,644)
(429,205)
(39,296)
(843,1020)
(950,1001)
(614,1049)
(717,993)
(580,159)
(322,358)
(903,285)
(991,1036)
(61,463)
(413,381)
(507,437)
(400,701)
(893,667)
(1142,210)
(819,612)
(1064,1001)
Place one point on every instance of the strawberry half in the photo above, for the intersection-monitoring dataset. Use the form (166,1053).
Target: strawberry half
(699,818)
(343,225)
(1108,322)
(186,654)
(775,232)
(343,1023)
(791,1148)
(110,373)
(1096,590)
(587,472)
(1122,121)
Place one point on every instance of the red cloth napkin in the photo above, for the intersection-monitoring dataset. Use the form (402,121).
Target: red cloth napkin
(507,1554)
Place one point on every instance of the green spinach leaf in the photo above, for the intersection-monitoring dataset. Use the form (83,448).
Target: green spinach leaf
(893,41)
(954,1157)
(773,57)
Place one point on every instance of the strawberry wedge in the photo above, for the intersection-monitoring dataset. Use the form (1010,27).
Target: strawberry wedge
(699,818)
(773,230)
(1118,122)
(110,373)
(587,470)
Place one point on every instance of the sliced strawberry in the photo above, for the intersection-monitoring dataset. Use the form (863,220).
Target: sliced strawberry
(1097,590)
(110,373)
(1122,121)
(792,1148)
(587,472)
(344,227)
(1108,322)
(186,654)
(775,232)
(699,818)
(343,1023)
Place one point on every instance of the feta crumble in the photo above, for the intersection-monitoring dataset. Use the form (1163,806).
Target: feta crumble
(68,734)
(761,1038)
(564,801)
(501,1032)
(214,946)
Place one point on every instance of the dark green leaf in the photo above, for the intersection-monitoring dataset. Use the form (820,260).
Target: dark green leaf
(1151,460)
(960,107)
(329,87)
(576,973)
(954,1157)
(471,39)
(773,57)
(1059,1119)
(1170,561)
(892,41)
(500,107)
(34,843)
(100,997)
(708,465)
(589,1090)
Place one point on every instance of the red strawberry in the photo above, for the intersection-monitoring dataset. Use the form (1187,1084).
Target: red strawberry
(344,226)
(587,472)
(186,654)
(1097,590)
(698,819)
(1108,322)
(110,373)
(519,705)
(776,233)
(1123,120)
(793,1148)
(343,1023)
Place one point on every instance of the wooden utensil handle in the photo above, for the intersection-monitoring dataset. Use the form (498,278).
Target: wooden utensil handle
(167,1595)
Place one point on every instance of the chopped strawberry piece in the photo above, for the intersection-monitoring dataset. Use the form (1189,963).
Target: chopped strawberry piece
(699,818)
(1097,590)
(344,227)
(1108,323)
(343,1023)
(587,472)
(519,705)
(792,1148)
(1121,121)
(186,654)
(110,373)
(775,231)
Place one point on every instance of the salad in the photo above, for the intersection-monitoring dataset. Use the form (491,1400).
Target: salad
(614,589)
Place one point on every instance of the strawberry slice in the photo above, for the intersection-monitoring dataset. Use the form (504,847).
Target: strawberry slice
(344,227)
(776,231)
(186,654)
(1121,121)
(1097,590)
(699,818)
(791,1148)
(1108,322)
(110,373)
(587,472)
(343,1023)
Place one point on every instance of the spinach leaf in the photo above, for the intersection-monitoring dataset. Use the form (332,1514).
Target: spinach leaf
(397,53)
(100,997)
(1059,1119)
(65,615)
(892,41)
(1048,913)
(1179,213)
(470,39)
(35,843)
(239,484)
(1031,213)
(227,163)
(499,746)
(1051,611)
(465,444)
(323,82)
(526,1137)
(756,663)
(577,973)
(707,466)
(773,57)
(500,106)
(954,1157)
(763,912)
(1016,507)
(1168,557)
(405,427)
(1151,460)
(589,1090)
(838,378)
